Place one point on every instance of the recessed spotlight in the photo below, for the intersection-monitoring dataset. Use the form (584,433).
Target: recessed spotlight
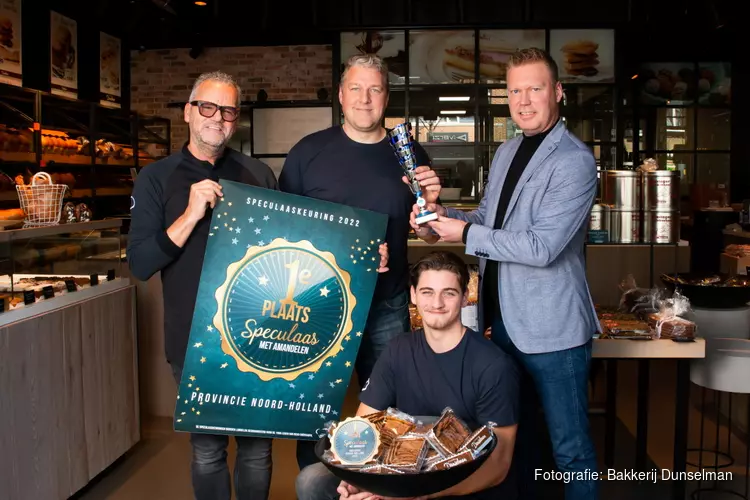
(202,4)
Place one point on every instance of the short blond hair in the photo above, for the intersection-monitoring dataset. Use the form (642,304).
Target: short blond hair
(371,61)
(534,55)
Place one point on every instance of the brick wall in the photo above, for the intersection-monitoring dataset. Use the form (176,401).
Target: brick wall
(162,76)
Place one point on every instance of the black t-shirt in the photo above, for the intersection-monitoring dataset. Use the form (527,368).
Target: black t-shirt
(476,379)
(330,166)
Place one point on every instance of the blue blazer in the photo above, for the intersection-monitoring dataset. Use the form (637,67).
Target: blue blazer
(544,297)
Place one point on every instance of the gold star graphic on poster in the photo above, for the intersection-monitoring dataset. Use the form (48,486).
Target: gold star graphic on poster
(224,365)
(348,364)
(192,409)
(203,359)
(328,363)
(190,385)
(198,344)
(192,377)
(197,413)
(179,420)
(348,338)
(197,389)
(338,381)
(359,334)
(263,281)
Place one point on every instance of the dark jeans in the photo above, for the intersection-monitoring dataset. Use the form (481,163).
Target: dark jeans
(387,319)
(209,471)
(559,381)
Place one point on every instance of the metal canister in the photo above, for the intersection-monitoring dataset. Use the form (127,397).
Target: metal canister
(622,189)
(599,220)
(624,226)
(661,190)
(661,226)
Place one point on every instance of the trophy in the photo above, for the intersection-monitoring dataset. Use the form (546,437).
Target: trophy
(403,146)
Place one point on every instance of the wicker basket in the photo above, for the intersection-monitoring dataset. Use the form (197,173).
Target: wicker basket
(41,202)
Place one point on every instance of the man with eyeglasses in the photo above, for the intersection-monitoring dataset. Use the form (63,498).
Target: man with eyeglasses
(171,214)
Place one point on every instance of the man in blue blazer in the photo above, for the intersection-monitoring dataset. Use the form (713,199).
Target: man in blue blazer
(529,233)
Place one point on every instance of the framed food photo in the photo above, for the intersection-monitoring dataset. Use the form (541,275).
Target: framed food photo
(668,83)
(496,47)
(437,57)
(389,45)
(584,56)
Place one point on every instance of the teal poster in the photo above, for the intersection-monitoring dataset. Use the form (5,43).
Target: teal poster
(285,290)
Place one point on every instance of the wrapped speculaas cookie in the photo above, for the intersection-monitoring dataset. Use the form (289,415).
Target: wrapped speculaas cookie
(381,469)
(431,458)
(452,461)
(478,441)
(396,423)
(376,418)
(407,453)
(448,433)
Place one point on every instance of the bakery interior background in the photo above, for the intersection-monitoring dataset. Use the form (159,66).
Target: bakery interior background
(650,60)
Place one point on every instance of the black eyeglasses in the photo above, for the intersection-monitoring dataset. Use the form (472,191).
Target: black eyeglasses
(208,109)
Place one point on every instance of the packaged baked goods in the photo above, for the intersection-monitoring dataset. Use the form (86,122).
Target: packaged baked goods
(448,433)
(396,423)
(452,460)
(355,442)
(669,321)
(478,440)
(407,453)
(392,442)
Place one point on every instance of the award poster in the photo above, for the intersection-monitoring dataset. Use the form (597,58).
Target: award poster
(10,42)
(284,294)
(64,55)
(110,94)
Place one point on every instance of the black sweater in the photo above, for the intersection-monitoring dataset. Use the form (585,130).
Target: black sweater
(160,196)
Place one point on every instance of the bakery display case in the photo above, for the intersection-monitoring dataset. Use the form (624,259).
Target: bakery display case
(17,109)
(48,267)
(93,150)
(69,356)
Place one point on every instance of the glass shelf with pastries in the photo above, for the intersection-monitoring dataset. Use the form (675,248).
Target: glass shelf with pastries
(114,141)
(154,139)
(17,111)
(65,130)
(48,267)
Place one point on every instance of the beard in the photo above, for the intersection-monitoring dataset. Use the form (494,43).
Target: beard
(213,139)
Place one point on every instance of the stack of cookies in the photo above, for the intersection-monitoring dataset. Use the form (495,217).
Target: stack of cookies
(581,58)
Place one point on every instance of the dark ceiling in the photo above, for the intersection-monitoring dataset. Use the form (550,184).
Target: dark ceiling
(654,25)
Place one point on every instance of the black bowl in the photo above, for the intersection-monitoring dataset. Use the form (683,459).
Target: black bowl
(712,296)
(404,485)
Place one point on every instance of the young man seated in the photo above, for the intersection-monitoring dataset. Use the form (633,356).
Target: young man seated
(443,365)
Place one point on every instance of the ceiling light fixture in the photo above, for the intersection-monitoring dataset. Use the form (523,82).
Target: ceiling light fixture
(202,4)
(453,112)
(454,98)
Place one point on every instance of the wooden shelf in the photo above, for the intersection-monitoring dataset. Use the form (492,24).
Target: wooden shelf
(15,156)
(66,159)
